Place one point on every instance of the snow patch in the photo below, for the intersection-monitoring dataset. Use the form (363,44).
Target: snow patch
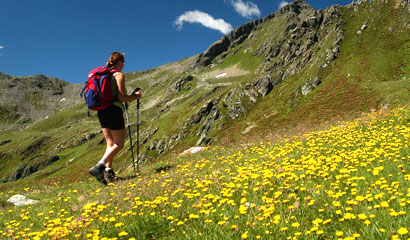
(221,75)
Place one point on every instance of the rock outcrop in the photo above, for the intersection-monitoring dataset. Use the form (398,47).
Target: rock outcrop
(305,27)
(25,100)
(21,200)
(26,169)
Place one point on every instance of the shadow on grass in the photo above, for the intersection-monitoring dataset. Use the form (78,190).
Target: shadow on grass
(163,168)
(157,170)
(124,178)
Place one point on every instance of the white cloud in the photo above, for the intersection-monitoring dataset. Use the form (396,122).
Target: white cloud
(282,4)
(205,19)
(247,9)
(1,47)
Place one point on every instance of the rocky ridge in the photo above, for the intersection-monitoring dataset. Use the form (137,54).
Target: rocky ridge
(25,100)
(291,49)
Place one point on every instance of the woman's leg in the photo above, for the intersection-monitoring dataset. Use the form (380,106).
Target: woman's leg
(115,142)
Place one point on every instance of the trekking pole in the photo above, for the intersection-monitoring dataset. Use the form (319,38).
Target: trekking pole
(138,135)
(138,130)
(129,134)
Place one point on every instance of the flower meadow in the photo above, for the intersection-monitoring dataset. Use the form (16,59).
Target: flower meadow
(350,181)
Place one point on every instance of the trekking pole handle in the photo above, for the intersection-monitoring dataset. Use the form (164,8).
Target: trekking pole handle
(138,103)
(136,90)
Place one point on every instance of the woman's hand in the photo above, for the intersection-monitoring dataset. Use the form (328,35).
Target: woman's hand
(137,94)
(122,90)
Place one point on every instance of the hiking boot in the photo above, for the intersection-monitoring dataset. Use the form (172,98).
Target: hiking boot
(109,175)
(98,172)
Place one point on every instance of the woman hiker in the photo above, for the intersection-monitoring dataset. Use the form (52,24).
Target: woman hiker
(112,121)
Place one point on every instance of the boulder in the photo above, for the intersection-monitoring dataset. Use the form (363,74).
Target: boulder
(192,150)
(236,110)
(310,85)
(20,200)
(263,86)
(306,89)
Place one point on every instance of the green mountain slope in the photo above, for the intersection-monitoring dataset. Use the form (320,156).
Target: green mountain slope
(350,181)
(26,100)
(290,72)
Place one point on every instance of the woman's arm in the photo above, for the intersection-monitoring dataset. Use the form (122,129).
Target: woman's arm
(122,90)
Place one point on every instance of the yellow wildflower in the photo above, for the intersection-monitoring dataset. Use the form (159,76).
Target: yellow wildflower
(122,234)
(402,231)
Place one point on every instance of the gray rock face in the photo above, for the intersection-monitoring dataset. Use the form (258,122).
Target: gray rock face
(286,52)
(235,37)
(164,144)
(35,146)
(26,169)
(263,86)
(180,83)
(202,113)
(210,120)
(79,140)
(236,111)
(20,200)
(232,101)
(206,58)
(203,140)
(148,134)
(18,173)
(34,98)
(310,85)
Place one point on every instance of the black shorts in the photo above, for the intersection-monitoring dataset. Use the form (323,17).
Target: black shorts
(112,118)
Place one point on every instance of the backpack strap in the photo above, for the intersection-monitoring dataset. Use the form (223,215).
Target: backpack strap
(82,91)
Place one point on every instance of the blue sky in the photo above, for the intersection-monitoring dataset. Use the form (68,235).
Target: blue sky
(66,39)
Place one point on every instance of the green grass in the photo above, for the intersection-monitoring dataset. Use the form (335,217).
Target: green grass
(344,181)
(378,58)
(371,72)
(62,118)
(245,61)
(8,114)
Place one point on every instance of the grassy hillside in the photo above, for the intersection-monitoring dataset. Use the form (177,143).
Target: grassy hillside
(345,182)
(370,72)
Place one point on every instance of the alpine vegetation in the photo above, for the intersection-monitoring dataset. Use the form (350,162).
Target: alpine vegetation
(301,118)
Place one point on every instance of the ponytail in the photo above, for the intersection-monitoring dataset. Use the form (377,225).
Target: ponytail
(115,57)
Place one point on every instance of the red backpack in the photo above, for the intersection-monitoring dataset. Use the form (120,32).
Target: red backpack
(97,90)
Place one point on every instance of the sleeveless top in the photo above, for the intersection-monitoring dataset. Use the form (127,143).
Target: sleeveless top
(114,87)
